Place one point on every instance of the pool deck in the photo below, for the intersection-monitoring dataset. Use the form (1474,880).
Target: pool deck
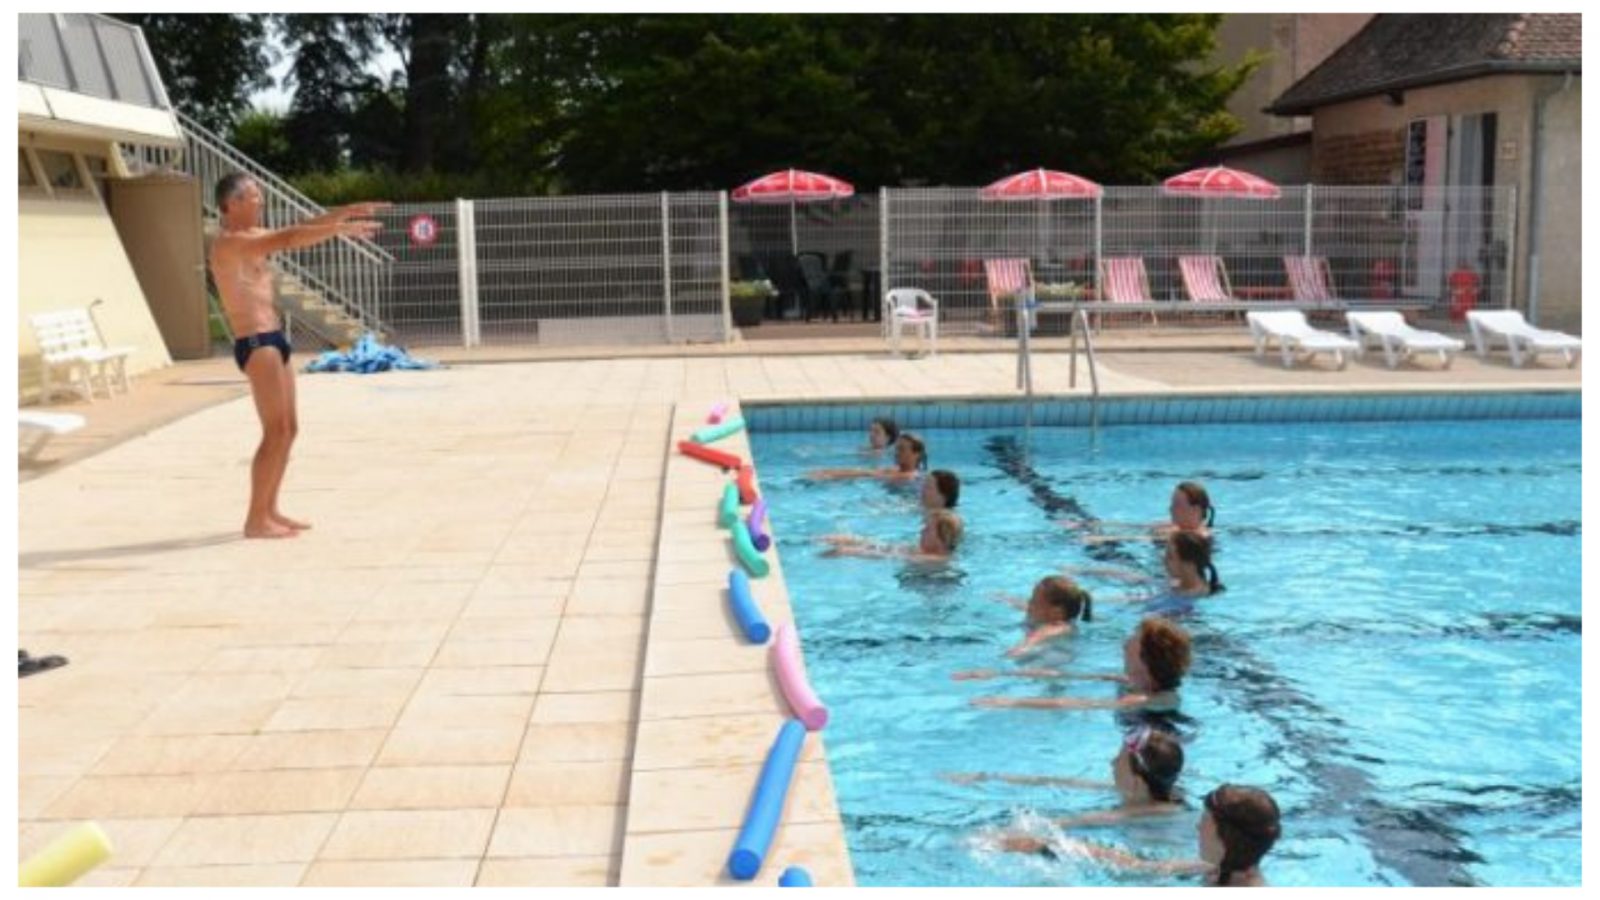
(500,657)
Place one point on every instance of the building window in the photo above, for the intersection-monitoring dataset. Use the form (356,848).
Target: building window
(60,170)
(25,178)
(97,166)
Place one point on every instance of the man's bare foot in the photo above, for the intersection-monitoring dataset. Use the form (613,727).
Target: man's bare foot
(284,520)
(269,529)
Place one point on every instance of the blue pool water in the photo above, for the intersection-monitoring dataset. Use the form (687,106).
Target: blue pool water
(1396,658)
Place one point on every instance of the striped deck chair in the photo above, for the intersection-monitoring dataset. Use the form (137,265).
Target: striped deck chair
(1205,278)
(1124,280)
(1006,277)
(1309,279)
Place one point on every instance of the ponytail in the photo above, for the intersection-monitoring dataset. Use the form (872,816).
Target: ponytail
(1213,579)
(1088,608)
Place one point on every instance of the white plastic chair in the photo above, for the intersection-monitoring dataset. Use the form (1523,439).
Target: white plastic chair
(1399,339)
(35,429)
(1290,329)
(1523,340)
(912,308)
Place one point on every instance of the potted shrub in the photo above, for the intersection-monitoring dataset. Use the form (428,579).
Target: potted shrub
(748,301)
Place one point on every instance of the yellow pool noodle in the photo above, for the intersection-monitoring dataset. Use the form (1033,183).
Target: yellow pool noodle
(65,859)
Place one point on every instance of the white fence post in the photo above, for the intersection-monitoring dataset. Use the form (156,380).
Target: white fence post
(1308,222)
(666,262)
(467,261)
(722,238)
(1099,245)
(883,258)
(1509,300)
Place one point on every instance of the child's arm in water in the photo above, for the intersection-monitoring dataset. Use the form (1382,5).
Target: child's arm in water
(1127,576)
(1037,639)
(1082,784)
(1119,815)
(842,474)
(1111,856)
(986,674)
(1129,701)
(1015,602)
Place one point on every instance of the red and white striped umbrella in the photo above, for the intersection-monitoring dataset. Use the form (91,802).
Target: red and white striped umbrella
(1221,181)
(793,186)
(1042,184)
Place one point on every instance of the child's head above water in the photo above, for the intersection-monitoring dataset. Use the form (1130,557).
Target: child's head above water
(882,432)
(1148,765)
(1188,554)
(1191,507)
(1239,825)
(910,454)
(941,489)
(1059,599)
(1157,655)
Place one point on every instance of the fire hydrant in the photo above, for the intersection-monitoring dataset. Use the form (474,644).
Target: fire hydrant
(1464,285)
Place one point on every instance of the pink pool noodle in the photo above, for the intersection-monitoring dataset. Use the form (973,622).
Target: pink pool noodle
(792,679)
(717,412)
(757,523)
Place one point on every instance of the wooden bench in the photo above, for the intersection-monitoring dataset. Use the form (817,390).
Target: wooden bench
(70,346)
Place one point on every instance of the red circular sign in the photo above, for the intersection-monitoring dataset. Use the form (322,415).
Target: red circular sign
(423,230)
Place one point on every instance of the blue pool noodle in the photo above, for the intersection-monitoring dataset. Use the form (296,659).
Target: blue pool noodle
(766,806)
(794,876)
(751,621)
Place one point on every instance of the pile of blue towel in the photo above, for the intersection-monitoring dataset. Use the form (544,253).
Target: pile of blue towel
(367,356)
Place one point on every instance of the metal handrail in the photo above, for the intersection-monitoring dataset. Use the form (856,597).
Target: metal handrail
(1026,308)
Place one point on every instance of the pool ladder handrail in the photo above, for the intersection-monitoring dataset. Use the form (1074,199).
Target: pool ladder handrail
(1079,323)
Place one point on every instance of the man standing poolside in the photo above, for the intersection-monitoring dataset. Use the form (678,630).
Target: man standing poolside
(239,267)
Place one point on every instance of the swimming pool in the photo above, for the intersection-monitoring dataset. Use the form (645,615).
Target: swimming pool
(1396,658)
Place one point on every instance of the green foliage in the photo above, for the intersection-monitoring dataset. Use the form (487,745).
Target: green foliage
(352,185)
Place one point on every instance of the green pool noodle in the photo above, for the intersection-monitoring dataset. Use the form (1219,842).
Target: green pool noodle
(728,509)
(717,432)
(746,550)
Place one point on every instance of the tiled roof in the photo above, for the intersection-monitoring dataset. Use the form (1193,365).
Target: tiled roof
(1394,52)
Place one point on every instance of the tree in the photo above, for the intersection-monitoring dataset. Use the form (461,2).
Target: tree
(210,63)
(331,81)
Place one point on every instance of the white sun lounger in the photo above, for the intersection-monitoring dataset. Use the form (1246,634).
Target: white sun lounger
(35,429)
(1399,340)
(1290,329)
(1523,340)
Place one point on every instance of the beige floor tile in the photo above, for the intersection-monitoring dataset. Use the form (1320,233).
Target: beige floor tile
(108,877)
(577,742)
(431,747)
(263,659)
(707,741)
(585,671)
(703,799)
(35,792)
(474,654)
(381,683)
(597,706)
(310,749)
(280,875)
(172,754)
(247,840)
(481,681)
(393,873)
(730,693)
(130,797)
(404,631)
(404,655)
(706,656)
(568,784)
(449,713)
(214,717)
(335,714)
(700,858)
(572,871)
(279,791)
(399,835)
(558,831)
(432,787)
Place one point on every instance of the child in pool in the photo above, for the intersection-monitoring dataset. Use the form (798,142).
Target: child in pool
(1154,658)
(881,435)
(1144,773)
(1191,575)
(1238,828)
(941,532)
(910,458)
(1053,611)
(1189,509)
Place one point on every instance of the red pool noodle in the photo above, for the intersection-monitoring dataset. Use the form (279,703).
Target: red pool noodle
(747,485)
(708,454)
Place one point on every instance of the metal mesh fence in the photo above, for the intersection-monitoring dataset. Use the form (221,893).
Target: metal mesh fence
(423,302)
(1345,245)
(766,241)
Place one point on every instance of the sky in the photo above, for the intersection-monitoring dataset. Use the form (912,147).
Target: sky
(277,97)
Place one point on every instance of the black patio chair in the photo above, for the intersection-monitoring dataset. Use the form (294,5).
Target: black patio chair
(821,293)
